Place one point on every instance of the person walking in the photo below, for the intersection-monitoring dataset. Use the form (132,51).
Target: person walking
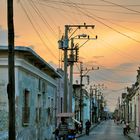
(128,127)
(124,128)
(76,127)
(88,125)
(81,127)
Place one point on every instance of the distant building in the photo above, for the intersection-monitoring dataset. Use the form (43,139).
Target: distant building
(129,109)
(81,95)
(76,101)
(35,89)
(86,105)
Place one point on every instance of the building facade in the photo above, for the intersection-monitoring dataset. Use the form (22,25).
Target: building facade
(130,105)
(35,89)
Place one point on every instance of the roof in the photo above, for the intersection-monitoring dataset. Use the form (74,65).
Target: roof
(29,53)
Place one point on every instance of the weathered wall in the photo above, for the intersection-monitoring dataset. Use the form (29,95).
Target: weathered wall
(3,99)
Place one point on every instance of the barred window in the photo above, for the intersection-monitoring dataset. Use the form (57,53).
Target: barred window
(39,84)
(61,104)
(38,109)
(25,108)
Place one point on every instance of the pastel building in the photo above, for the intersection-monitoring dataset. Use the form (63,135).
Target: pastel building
(35,89)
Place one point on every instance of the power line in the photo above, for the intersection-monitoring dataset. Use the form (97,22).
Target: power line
(38,13)
(122,6)
(87,4)
(118,25)
(111,11)
(90,16)
(72,12)
(47,13)
(37,31)
(61,9)
(120,52)
(36,9)
(125,27)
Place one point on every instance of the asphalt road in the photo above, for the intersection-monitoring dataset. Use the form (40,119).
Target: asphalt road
(106,130)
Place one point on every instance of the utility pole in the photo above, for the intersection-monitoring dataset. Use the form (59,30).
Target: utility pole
(99,95)
(94,117)
(65,67)
(64,44)
(81,83)
(71,73)
(11,71)
(91,98)
(72,59)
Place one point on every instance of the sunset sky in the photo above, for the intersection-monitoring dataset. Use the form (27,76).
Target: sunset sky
(40,24)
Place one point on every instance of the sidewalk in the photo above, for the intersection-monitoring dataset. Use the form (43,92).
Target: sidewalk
(134,136)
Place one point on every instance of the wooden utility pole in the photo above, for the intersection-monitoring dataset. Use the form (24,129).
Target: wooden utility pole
(64,45)
(81,81)
(65,68)
(11,71)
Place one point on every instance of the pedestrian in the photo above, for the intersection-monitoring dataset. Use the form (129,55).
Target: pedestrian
(76,127)
(124,128)
(81,127)
(127,127)
(88,125)
(63,129)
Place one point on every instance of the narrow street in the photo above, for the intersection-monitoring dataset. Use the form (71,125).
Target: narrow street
(107,130)
(66,65)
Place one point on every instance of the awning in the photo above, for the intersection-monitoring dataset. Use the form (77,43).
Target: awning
(67,114)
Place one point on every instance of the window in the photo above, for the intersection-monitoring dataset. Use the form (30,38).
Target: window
(49,103)
(26,108)
(44,99)
(38,109)
(39,84)
(61,104)
(52,103)
(43,87)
